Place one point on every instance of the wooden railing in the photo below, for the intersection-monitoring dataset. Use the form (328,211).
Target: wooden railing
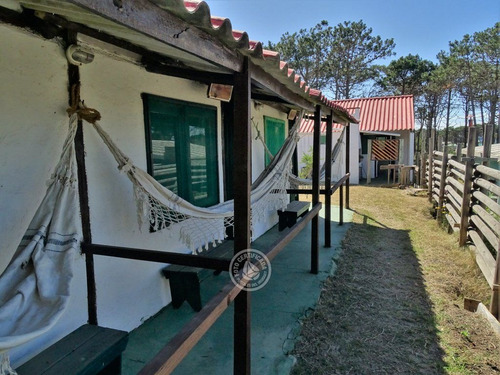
(465,194)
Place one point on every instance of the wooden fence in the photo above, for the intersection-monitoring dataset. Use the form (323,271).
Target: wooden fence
(465,194)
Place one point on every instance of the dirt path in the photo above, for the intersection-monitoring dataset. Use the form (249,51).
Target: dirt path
(394,305)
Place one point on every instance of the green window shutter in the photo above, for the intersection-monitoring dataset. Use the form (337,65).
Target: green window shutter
(182,148)
(274,132)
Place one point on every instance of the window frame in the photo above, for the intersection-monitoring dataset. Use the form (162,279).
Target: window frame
(182,146)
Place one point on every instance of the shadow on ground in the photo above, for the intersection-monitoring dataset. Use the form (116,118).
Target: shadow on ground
(374,315)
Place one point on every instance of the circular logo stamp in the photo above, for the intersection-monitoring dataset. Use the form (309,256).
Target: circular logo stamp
(252,266)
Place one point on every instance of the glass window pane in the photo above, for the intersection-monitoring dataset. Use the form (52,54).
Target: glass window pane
(274,130)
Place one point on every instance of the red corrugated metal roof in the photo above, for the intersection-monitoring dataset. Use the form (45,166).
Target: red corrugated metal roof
(307,126)
(385,114)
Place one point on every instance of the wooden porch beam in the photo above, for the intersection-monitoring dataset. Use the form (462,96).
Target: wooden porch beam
(271,83)
(147,18)
(242,175)
(328,179)
(315,191)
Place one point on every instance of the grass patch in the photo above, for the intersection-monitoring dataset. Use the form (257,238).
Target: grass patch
(394,304)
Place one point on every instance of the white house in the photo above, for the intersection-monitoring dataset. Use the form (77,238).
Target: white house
(156,75)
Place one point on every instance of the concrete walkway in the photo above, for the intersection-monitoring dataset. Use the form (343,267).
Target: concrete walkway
(276,312)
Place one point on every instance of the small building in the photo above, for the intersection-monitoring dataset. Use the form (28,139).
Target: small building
(381,119)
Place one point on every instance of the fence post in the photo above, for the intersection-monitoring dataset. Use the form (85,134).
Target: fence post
(422,170)
(442,184)
(431,165)
(488,134)
(495,290)
(469,166)
(459,152)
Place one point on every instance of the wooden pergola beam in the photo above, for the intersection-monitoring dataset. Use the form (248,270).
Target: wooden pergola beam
(149,19)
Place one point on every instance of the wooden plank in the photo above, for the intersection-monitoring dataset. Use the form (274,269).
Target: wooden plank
(438,154)
(484,259)
(492,222)
(242,175)
(452,223)
(430,170)
(487,201)
(485,184)
(315,193)
(495,290)
(437,162)
(328,180)
(150,20)
(485,230)
(488,171)
(442,184)
(214,263)
(271,83)
(457,165)
(452,197)
(169,357)
(454,214)
(436,198)
(456,184)
(454,171)
(466,198)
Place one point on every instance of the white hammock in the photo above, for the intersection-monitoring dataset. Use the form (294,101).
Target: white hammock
(161,208)
(34,288)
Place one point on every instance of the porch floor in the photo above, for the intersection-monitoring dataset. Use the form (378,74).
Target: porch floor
(277,308)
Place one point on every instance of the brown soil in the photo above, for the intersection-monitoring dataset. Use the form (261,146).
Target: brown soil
(395,303)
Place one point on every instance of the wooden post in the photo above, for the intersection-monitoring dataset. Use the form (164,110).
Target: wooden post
(442,184)
(422,170)
(83,194)
(469,166)
(488,134)
(495,290)
(242,184)
(315,191)
(431,165)
(328,180)
(347,163)
(341,204)
(459,152)
(369,163)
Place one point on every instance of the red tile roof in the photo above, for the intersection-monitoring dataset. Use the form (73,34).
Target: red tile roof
(198,14)
(384,114)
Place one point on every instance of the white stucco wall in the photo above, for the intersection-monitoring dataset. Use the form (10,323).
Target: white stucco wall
(32,130)
(260,110)
(338,168)
(33,127)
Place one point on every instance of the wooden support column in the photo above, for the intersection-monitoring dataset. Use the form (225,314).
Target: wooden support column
(83,194)
(315,191)
(341,204)
(431,165)
(347,162)
(242,184)
(369,163)
(469,166)
(328,180)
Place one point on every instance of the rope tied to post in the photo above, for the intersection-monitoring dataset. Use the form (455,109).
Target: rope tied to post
(78,106)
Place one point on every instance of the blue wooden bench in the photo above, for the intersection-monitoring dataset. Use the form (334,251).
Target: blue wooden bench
(88,350)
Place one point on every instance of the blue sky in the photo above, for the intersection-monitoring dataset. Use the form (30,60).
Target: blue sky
(421,27)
